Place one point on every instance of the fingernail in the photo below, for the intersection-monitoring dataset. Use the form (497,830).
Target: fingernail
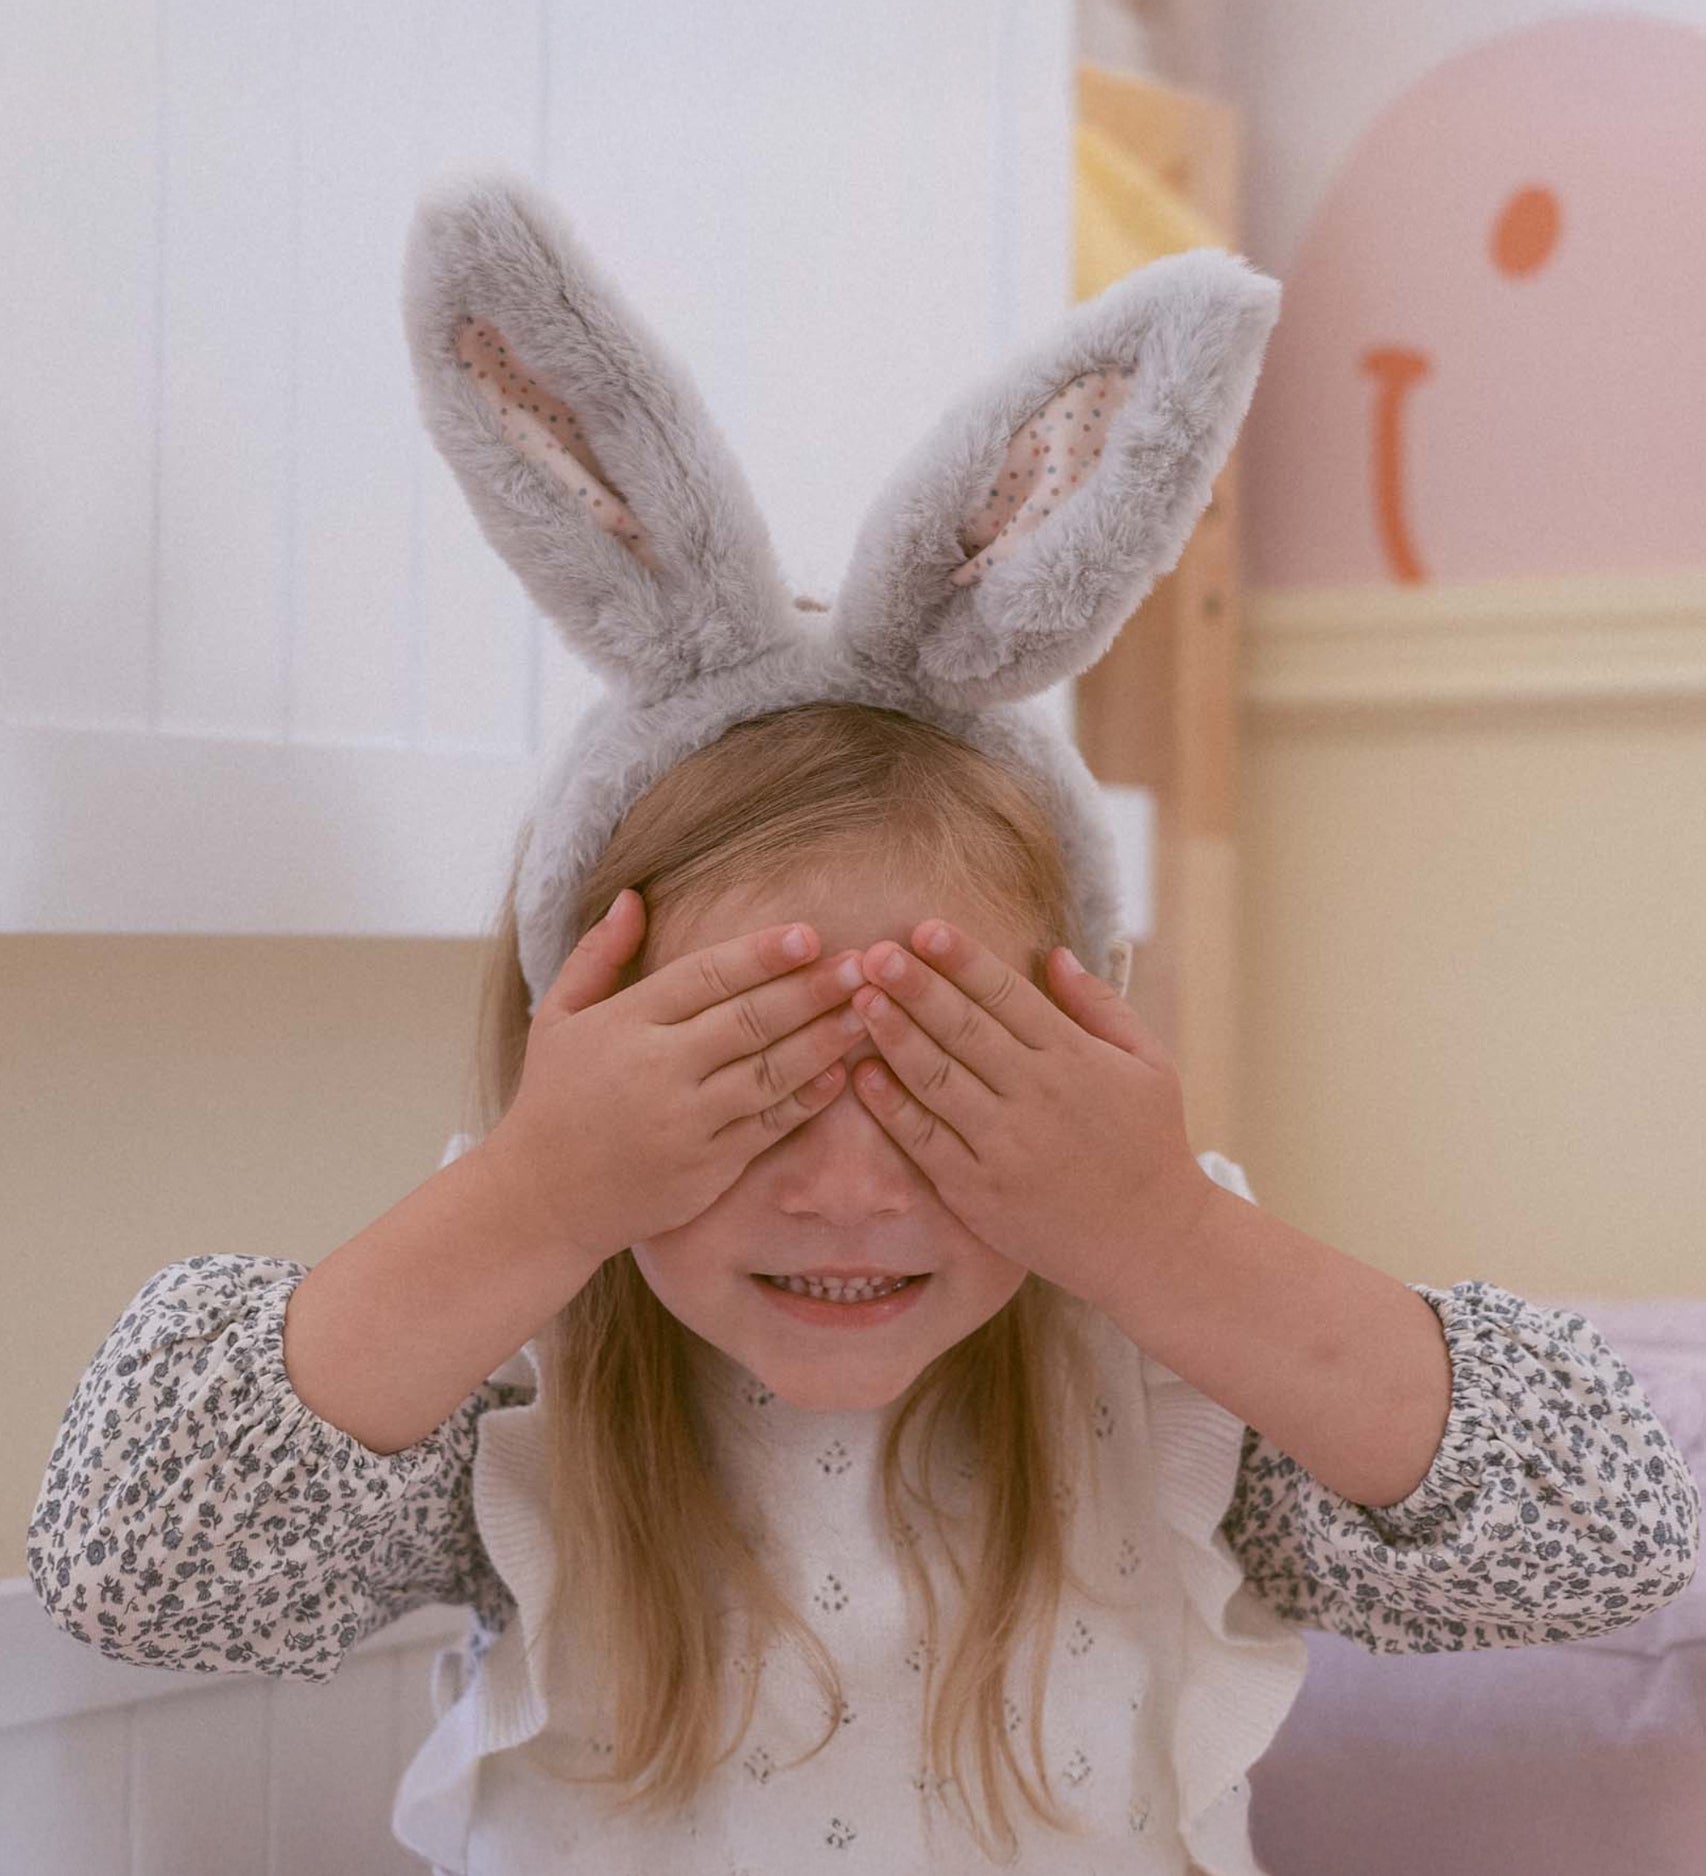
(795,945)
(1070,964)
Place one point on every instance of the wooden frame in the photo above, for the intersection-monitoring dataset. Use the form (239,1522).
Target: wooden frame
(1160,709)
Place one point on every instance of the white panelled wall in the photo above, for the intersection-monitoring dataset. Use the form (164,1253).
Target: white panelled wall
(259,670)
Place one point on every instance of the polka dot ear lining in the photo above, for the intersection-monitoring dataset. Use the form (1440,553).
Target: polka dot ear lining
(1053,453)
(546,431)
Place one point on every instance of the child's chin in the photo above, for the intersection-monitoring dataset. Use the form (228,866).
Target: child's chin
(825,1391)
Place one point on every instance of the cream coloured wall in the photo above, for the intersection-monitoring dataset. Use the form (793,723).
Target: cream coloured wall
(169,1096)
(1473,1026)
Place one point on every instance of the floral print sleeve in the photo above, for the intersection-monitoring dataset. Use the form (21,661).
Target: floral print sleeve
(1557,1506)
(195,1513)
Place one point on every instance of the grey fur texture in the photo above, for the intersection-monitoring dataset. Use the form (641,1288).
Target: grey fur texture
(703,633)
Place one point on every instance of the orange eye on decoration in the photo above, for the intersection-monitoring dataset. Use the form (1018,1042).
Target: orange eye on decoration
(1526,231)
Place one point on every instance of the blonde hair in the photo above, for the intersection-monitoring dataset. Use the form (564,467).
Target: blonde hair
(643,1536)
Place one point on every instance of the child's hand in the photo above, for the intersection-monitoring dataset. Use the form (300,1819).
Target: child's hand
(638,1110)
(1056,1135)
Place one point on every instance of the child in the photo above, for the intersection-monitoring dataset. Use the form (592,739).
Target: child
(1002,1567)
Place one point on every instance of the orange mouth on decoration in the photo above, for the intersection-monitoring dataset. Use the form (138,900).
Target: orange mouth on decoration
(1394,369)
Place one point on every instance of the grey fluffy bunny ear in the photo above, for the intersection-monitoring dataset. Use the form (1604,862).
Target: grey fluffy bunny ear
(590,461)
(1007,550)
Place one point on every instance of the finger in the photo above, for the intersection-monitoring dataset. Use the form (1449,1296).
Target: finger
(981,1010)
(752,1133)
(593,968)
(699,980)
(753,1083)
(1098,1007)
(926,1138)
(929,1072)
(737,1032)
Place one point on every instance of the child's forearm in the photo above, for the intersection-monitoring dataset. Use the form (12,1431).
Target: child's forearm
(1343,1367)
(387,1335)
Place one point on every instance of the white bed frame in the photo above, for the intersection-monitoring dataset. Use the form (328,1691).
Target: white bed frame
(112,1770)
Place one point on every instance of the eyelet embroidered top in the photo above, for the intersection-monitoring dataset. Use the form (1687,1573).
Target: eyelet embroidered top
(196,1514)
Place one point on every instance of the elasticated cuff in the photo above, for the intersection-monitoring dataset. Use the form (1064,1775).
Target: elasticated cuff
(1471,1318)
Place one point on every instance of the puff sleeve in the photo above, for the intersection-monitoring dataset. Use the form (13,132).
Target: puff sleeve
(1556,1507)
(195,1513)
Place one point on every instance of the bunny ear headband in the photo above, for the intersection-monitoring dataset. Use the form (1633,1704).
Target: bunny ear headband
(1003,554)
